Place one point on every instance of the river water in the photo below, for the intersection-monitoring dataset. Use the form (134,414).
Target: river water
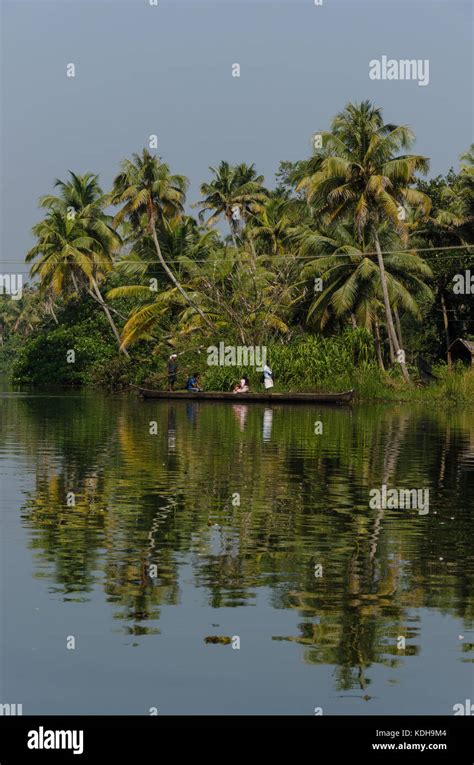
(132,531)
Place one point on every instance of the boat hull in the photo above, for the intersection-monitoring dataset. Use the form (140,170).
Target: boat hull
(267,398)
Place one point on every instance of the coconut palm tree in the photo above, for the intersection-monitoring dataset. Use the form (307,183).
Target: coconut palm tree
(273,226)
(76,194)
(82,197)
(350,272)
(68,258)
(178,238)
(246,302)
(234,192)
(458,199)
(450,224)
(26,315)
(82,200)
(150,196)
(467,173)
(10,310)
(359,172)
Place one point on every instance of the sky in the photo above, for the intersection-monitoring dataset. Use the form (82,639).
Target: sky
(167,70)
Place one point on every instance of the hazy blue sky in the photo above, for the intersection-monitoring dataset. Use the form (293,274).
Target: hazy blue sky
(167,70)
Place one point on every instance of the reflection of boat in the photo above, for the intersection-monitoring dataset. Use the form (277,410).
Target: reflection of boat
(267,398)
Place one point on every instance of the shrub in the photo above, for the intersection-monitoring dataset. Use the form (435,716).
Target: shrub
(42,360)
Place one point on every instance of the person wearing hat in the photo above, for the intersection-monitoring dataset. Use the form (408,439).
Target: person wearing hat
(172,370)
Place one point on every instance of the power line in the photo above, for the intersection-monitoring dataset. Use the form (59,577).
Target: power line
(304,257)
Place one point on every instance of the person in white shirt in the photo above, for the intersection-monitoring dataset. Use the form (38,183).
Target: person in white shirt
(267,377)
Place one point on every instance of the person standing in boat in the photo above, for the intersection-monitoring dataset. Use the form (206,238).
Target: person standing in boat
(192,383)
(172,370)
(267,377)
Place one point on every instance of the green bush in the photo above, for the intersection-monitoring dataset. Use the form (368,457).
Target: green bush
(315,359)
(43,360)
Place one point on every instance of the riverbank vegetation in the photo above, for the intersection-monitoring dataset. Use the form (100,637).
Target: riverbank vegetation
(345,271)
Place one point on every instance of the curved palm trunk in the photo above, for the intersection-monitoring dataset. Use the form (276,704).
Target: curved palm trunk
(172,277)
(378,345)
(399,326)
(74,281)
(388,309)
(446,329)
(105,309)
(253,251)
(391,349)
(391,456)
(232,232)
(52,311)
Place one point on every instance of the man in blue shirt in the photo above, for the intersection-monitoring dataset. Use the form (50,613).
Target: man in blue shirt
(193,382)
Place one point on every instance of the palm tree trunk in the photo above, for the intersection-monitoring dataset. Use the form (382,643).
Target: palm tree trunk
(393,358)
(49,305)
(254,259)
(53,313)
(105,308)
(232,233)
(378,345)
(399,326)
(446,330)
(250,239)
(172,277)
(388,309)
(354,321)
(252,248)
(232,229)
(74,281)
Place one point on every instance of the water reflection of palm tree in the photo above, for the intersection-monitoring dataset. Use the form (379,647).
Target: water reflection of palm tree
(136,506)
(396,434)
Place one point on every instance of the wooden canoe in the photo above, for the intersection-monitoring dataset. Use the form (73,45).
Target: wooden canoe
(261,397)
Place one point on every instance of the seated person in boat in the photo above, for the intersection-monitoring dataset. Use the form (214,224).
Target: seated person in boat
(242,386)
(192,383)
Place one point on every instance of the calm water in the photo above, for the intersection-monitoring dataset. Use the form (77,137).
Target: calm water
(216,526)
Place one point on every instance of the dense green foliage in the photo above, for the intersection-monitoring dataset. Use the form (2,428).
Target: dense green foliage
(344,272)
(42,358)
